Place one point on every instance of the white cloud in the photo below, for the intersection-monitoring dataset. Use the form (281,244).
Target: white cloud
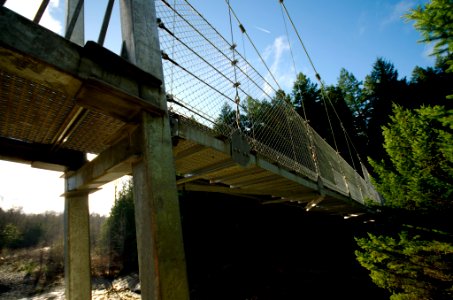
(29,8)
(427,53)
(262,29)
(397,12)
(281,66)
(362,23)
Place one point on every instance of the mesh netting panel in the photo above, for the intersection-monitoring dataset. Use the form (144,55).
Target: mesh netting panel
(210,83)
(93,133)
(29,111)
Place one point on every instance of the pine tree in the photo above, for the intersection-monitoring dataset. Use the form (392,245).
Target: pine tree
(408,266)
(419,144)
(119,235)
(435,22)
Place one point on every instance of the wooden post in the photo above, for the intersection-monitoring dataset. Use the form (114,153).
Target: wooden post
(159,235)
(77,246)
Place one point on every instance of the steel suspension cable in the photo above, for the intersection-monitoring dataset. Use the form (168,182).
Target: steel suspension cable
(166,57)
(307,127)
(293,61)
(234,63)
(172,69)
(253,44)
(300,39)
(314,69)
(318,77)
(216,47)
(239,54)
(303,106)
(250,116)
(162,26)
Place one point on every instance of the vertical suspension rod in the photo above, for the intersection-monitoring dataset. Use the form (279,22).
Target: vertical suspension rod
(41,10)
(74,18)
(105,22)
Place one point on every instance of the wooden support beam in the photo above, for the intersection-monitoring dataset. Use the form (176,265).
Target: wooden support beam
(276,201)
(200,173)
(111,164)
(262,163)
(189,152)
(214,188)
(40,155)
(255,181)
(62,65)
(102,97)
(202,138)
(238,175)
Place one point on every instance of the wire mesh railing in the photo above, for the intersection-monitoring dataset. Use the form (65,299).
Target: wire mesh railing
(210,82)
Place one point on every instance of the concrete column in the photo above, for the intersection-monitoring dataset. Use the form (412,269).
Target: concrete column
(78,35)
(77,246)
(159,235)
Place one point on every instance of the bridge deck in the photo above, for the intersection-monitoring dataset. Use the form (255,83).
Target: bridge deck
(59,101)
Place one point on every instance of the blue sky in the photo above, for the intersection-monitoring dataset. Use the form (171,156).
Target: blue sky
(347,34)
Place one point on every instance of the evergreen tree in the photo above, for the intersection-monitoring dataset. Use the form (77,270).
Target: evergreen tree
(305,92)
(340,129)
(410,267)
(119,235)
(306,98)
(352,94)
(417,179)
(380,90)
(434,20)
(226,120)
(308,103)
(419,144)
(431,85)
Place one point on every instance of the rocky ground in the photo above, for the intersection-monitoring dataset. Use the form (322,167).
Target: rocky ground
(17,282)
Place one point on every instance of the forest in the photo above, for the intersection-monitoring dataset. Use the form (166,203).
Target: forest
(401,128)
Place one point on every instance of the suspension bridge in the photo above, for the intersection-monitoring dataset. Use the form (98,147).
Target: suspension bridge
(179,100)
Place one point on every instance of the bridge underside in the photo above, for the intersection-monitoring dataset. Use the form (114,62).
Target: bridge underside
(207,163)
(60,101)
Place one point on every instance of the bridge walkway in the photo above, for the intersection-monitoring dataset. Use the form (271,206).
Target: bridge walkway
(60,101)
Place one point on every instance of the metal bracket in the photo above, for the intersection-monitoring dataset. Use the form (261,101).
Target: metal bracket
(313,203)
(240,149)
(174,127)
